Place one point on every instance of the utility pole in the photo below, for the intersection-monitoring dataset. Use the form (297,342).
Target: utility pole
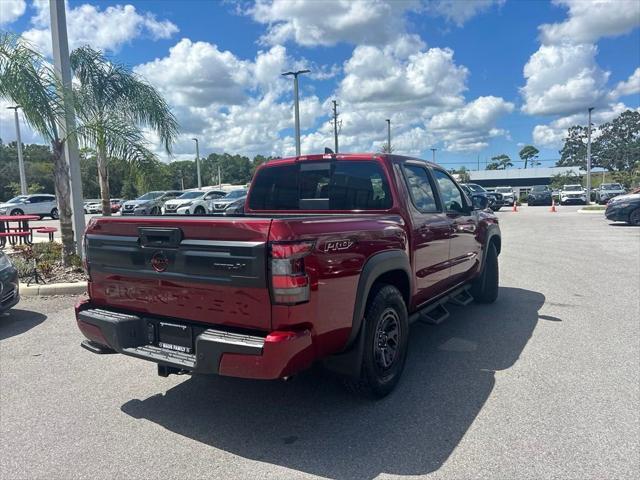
(219,178)
(335,126)
(23,177)
(296,105)
(589,159)
(433,155)
(478,162)
(62,67)
(388,135)
(198,162)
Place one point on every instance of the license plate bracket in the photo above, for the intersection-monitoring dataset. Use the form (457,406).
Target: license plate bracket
(175,337)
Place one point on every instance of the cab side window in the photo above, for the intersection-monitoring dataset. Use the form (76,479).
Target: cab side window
(420,188)
(449,192)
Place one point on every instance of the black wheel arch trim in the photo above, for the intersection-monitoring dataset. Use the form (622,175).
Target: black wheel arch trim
(376,266)
(493,233)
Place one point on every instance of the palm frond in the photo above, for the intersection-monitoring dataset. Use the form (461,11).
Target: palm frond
(29,81)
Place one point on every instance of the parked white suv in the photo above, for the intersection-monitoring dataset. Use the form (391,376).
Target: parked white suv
(508,195)
(573,194)
(193,202)
(39,204)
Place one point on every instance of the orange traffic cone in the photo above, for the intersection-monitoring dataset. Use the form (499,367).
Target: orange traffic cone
(553,205)
(515,207)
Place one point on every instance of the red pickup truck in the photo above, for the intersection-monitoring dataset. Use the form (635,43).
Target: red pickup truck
(332,259)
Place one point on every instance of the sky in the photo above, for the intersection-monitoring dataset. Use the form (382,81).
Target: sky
(472,79)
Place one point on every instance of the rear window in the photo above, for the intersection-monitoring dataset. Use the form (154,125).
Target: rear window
(341,185)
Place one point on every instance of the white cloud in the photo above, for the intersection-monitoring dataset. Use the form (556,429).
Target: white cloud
(589,21)
(8,125)
(198,74)
(426,78)
(630,86)
(471,126)
(328,22)
(11,10)
(553,134)
(460,11)
(106,29)
(563,79)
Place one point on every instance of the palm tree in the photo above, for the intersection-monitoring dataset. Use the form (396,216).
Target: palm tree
(114,106)
(28,80)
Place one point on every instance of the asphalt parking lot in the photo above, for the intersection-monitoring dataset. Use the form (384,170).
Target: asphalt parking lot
(542,384)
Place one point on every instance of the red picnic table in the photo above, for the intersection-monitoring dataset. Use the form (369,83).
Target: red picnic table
(18,233)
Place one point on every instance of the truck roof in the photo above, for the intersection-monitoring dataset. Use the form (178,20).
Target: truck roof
(344,156)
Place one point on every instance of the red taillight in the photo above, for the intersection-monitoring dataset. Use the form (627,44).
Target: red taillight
(289,282)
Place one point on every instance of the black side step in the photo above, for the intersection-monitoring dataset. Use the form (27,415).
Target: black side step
(463,298)
(435,315)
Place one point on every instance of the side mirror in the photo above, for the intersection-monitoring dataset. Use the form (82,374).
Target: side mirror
(480,202)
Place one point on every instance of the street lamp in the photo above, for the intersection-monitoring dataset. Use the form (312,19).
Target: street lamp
(388,135)
(589,159)
(296,103)
(23,177)
(198,162)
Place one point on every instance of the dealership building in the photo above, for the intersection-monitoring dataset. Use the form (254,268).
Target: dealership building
(522,180)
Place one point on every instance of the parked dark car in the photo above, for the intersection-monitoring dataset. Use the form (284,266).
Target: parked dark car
(624,208)
(495,199)
(539,195)
(9,285)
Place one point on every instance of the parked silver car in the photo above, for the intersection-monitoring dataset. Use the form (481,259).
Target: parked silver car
(40,204)
(223,203)
(607,191)
(150,203)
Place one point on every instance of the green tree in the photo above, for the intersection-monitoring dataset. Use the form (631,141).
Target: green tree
(618,143)
(529,153)
(493,166)
(115,105)
(503,161)
(463,174)
(28,80)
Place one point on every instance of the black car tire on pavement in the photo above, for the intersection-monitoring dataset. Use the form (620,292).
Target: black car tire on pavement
(484,289)
(54,214)
(16,211)
(199,211)
(634,217)
(386,335)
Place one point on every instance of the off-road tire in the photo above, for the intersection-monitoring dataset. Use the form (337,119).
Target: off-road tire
(385,307)
(484,289)
(634,217)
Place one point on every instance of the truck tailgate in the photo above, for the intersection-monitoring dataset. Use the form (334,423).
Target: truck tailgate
(208,269)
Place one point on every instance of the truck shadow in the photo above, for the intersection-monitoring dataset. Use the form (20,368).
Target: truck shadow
(313,425)
(17,321)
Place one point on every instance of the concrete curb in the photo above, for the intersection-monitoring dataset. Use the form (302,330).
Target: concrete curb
(582,210)
(47,290)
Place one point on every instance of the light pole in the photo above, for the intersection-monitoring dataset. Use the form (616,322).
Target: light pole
(23,177)
(388,120)
(62,64)
(198,162)
(433,154)
(335,125)
(589,159)
(297,106)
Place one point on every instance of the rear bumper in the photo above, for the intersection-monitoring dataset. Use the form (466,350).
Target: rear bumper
(215,350)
